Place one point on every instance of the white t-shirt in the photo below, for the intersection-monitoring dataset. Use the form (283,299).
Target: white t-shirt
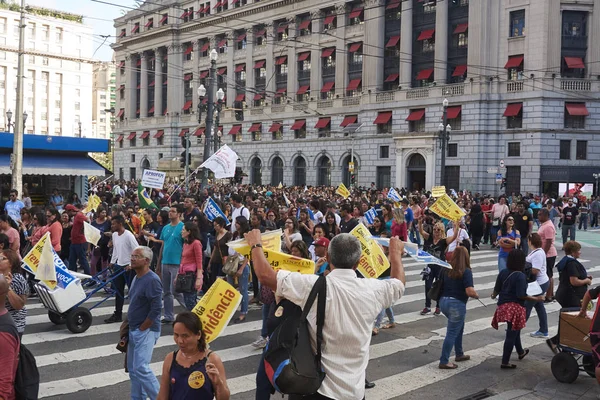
(317,216)
(241,211)
(462,235)
(537,258)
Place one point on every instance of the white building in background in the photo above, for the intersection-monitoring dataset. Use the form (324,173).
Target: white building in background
(103,99)
(58,72)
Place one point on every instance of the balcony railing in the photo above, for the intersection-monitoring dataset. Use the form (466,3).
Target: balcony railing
(351,101)
(454,90)
(324,103)
(240,83)
(384,96)
(355,67)
(417,94)
(514,86)
(256,111)
(281,79)
(576,85)
(329,71)
(304,74)
(260,81)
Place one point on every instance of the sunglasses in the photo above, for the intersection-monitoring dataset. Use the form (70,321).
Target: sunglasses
(510,220)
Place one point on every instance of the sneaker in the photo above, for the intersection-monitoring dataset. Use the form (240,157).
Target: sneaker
(114,318)
(260,343)
(437,311)
(475,247)
(539,334)
(426,311)
(163,320)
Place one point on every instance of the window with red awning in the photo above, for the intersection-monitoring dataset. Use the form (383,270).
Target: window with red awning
(131,136)
(255,127)
(513,109)
(275,127)
(187,105)
(416,115)
(392,77)
(461,28)
(383,118)
(304,56)
(350,119)
(453,112)
(327,86)
(354,84)
(235,129)
(577,109)
(393,41)
(427,34)
(322,123)
(159,134)
(299,124)
(575,62)
(460,70)
(327,52)
(514,62)
(303,89)
(424,74)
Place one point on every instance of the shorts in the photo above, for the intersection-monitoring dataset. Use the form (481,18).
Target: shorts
(595,342)
(550,261)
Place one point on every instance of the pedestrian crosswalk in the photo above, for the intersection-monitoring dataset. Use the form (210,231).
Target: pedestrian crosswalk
(402,359)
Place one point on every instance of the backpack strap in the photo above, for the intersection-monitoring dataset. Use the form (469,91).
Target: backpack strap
(320,289)
(171,367)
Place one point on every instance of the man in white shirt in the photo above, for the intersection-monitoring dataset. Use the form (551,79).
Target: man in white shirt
(346,333)
(238,209)
(13,206)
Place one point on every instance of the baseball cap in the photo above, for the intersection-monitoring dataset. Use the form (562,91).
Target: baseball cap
(71,207)
(321,242)
(404,200)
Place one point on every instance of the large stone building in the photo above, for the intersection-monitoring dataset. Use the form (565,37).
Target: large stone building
(104,95)
(521,78)
(58,71)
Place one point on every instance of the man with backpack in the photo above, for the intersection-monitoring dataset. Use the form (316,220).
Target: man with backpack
(9,346)
(345,334)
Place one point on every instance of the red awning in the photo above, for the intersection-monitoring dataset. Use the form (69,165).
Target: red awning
(150,21)
(187,105)
(282,28)
(260,33)
(163,19)
(327,52)
(416,115)
(427,34)
(257,97)
(240,97)
(280,92)
(222,71)
(120,138)
(514,62)
(241,37)
(392,77)
(424,74)
(354,47)
(121,64)
(329,19)
(187,77)
(461,28)
(304,24)
(327,86)
(205,47)
(139,62)
(275,127)
(281,60)
(188,50)
(122,87)
(152,84)
(255,127)
(453,112)
(577,109)
(166,111)
(145,135)
(185,14)
(137,111)
(240,67)
(355,13)
(383,118)
(151,110)
(354,84)
(122,34)
(235,129)
(139,86)
(121,112)
(512,110)
(183,132)
(135,29)
(199,131)
(219,4)
(159,134)
(259,64)
(351,119)
(393,5)
(222,43)
(393,41)
(303,56)
(575,62)
(165,82)
(303,89)
(299,124)
(203,74)
(131,136)
(460,70)
(322,123)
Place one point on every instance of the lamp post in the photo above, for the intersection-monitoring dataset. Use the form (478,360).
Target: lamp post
(210,92)
(19,128)
(9,115)
(444,136)
(218,108)
(596,177)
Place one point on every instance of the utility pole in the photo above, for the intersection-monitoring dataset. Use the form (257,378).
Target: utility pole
(19,129)
(210,92)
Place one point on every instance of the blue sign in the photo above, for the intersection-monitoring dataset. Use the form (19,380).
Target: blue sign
(212,211)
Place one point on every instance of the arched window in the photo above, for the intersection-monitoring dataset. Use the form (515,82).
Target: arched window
(346,172)
(300,171)
(276,171)
(256,171)
(145,164)
(324,171)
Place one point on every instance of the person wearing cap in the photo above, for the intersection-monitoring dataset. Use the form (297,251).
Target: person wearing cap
(535,206)
(77,250)
(321,246)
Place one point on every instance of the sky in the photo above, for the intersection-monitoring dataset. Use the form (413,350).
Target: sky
(99,16)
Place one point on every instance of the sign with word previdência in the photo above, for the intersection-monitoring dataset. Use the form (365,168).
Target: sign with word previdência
(373,261)
(153,179)
(216,308)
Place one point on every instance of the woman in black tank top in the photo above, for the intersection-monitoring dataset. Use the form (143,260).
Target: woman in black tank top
(192,372)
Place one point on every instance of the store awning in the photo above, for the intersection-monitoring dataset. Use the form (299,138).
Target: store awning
(131,136)
(512,110)
(120,138)
(424,74)
(453,112)
(203,74)
(514,62)
(159,134)
(135,29)
(260,33)
(392,77)
(235,129)
(322,123)
(145,135)
(222,43)
(282,28)
(257,97)
(185,14)
(187,77)
(280,60)
(121,65)
(354,84)
(303,56)
(205,47)
(327,86)
(255,127)
(351,119)
(199,131)
(56,164)
(219,4)
(241,37)
(303,89)
(575,62)
(240,97)
(461,28)
(259,64)
(393,5)
(280,92)
(383,118)
(163,19)
(460,70)
(152,84)
(416,115)
(188,50)
(427,34)
(329,19)
(120,113)
(354,47)
(275,127)
(393,41)
(299,124)
(577,109)
(327,52)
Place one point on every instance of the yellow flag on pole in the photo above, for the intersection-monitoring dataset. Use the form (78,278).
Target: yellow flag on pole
(343,191)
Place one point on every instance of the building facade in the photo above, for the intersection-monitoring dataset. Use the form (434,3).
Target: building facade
(104,97)
(58,72)
(307,85)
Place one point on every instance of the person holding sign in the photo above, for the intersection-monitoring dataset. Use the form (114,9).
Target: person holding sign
(346,333)
(10,267)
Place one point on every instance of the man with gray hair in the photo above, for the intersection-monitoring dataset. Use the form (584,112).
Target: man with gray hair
(145,296)
(346,332)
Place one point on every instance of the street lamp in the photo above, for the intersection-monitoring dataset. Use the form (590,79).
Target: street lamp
(596,177)
(9,115)
(444,136)
(210,108)
(24,118)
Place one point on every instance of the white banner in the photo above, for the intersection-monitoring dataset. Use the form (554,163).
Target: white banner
(153,179)
(222,163)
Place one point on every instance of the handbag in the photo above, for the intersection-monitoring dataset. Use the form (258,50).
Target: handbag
(267,296)
(185,283)
(435,293)
(232,265)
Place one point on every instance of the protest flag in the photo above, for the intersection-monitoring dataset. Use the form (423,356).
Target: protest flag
(393,195)
(212,210)
(91,233)
(343,191)
(143,198)
(370,216)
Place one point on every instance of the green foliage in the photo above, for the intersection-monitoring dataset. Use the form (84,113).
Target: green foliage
(43,12)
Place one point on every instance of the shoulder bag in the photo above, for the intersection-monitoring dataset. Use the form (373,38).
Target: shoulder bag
(435,293)
(232,265)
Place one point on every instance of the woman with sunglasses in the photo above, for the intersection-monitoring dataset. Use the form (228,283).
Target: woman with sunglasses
(377,228)
(290,234)
(508,238)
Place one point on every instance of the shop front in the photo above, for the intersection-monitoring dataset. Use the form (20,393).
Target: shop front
(561,181)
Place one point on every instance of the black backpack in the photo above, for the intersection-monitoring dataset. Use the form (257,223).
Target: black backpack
(290,363)
(27,380)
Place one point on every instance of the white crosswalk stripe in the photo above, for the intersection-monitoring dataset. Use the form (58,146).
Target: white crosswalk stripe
(88,365)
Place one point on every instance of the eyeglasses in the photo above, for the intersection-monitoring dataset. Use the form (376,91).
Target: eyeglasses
(289,223)
(510,220)
(136,257)
(438,230)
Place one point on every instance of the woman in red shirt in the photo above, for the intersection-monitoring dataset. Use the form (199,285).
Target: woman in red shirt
(191,260)
(399,225)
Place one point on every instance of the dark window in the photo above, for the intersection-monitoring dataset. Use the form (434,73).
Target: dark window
(456,123)
(452,176)
(574,121)
(300,172)
(300,133)
(132,143)
(513,180)
(325,132)
(517,23)
(417,126)
(385,128)
(276,171)
(324,171)
(133,158)
(384,177)
(256,172)
(515,122)
(121,173)
(159,141)
(146,141)
(121,144)
(581,153)
(132,173)
(514,149)
(565,150)
(256,136)
(384,151)
(453,150)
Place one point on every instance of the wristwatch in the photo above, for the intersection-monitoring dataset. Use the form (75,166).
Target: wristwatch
(255,246)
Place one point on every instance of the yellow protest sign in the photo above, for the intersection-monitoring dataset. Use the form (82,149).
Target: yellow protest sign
(93,203)
(438,191)
(373,261)
(445,207)
(343,191)
(91,233)
(270,241)
(287,262)
(216,308)
(31,262)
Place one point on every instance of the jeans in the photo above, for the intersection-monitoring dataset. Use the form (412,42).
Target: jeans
(390,314)
(242,287)
(433,275)
(263,385)
(568,230)
(594,220)
(456,312)
(512,340)
(168,274)
(77,253)
(265,315)
(539,309)
(118,284)
(190,300)
(139,354)
(494,233)
(502,263)
(583,220)
(415,237)
(524,245)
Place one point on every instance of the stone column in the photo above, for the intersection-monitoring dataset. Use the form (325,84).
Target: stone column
(400,168)
(593,59)
(158,82)
(196,72)
(144,85)
(175,79)
(553,37)
(406,37)
(292,61)
(270,66)
(250,88)
(441,42)
(130,86)
(341,57)
(316,62)
(373,46)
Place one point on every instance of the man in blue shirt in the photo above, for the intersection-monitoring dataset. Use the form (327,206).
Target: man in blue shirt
(13,206)
(171,258)
(144,324)
(408,214)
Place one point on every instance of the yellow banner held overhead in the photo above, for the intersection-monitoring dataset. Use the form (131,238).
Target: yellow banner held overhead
(216,308)
(270,241)
(92,204)
(286,262)
(438,191)
(445,207)
(280,186)
(373,261)
(343,191)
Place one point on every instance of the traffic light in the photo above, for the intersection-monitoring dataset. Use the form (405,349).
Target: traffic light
(352,179)
(185,141)
(182,160)
(237,178)
(503,184)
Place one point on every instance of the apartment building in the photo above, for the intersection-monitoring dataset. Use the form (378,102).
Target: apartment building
(309,84)
(58,72)
(104,96)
